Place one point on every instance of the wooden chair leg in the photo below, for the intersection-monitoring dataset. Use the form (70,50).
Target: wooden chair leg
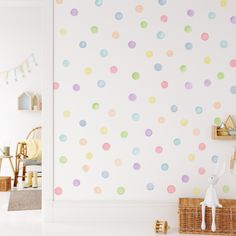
(23,173)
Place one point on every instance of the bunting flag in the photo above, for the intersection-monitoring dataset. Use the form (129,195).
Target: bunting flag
(19,71)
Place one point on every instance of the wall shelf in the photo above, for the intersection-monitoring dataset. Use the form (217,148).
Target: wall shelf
(214,135)
(29,102)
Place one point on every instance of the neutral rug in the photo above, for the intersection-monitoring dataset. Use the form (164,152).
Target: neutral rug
(25,200)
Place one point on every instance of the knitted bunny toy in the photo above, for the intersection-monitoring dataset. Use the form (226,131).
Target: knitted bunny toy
(211,199)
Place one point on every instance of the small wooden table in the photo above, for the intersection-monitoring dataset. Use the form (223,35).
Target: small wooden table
(10,160)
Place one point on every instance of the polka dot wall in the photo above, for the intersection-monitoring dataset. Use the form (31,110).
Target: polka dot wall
(137,86)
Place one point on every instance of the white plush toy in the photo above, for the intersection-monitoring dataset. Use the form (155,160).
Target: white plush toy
(211,199)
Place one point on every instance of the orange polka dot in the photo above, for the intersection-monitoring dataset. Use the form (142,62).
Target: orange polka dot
(97,190)
(169,53)
(118,162)
(217,105)
(85,168)
(112,113)
(161,119)
(139,8)
(115,35)
(83,141)
(59,1)
(196,132)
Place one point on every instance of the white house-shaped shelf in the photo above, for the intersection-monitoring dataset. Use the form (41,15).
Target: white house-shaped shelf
(29,102)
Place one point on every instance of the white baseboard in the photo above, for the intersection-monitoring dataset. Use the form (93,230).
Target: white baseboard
(76,211)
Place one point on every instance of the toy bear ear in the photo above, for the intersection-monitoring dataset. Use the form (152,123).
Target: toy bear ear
(220,172)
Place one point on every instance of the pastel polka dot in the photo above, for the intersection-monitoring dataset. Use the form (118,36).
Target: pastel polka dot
(161,120)
(89,156)
(196,132)
(98,3)
(59,1)
(191,157)
(88,71)
(233,89)
(207,60)
(220,75)
(162,2)
(158,67)
(183,68)
(187,28)
(223,3)
(83,44)
(111,112)
(185,178)
(159,149)
(136,151)
(217,105)
(83,123)
(56,85)
(233,19)
(94,29)
(76,87)
(119,15)
(226,189)
(174,108)
(207,83)
(105,174)
(115,35)
(136,117)
(164,84)
(152,100)
(148,132)
(171,189)
(223,44)
(136,166)
(177,141)
(132,97)
(183,122)
(202,146)
(106,146)
(58,191)
(196,191)
(63,138)
(149,54)
(95,106)
(66,63)
(188,46)
(83,142)
(85,168)
(63,159)
(190,12)
(66,114)
(118,162)
(74,12)
(97,190)
(131,44)
(164,167)
(161,35)
(232,63)
(113,69)
(201,171)
(124,134)
(143,24)
(103,53)
(150,186)
(103,130)
(211,15)
(188,85)
(164,18)
(198,110)
(120,190)
(136,76)
(101,83)
(217,121)
(204,36)
(169,53)
(214,159)
(63,31)
(139,8)
(76,182)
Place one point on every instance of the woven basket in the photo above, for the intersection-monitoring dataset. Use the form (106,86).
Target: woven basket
(5,183)
(190,217)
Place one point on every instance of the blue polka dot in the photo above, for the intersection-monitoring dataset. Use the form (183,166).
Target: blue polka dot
(214,159)
(119,16)
(103,53)
(83,44)
(105,174)
(150,186)
(158,67)
(101,83)
(83,123)
(162,2)
(198,110)
(233,89)
(136,151)
(177,141)
(174,108)
(188,46)
(63,138)
(135,117)
(66,63)
(161,35)
(211,15)
(223,44)
(98,3)
(164,167)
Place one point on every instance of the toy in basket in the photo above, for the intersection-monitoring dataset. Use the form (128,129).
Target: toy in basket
(211,199)
(161,226)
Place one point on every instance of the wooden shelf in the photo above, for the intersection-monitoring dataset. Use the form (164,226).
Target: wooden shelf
(215,136)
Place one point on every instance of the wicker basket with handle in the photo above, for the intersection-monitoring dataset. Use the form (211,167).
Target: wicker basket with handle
(190,217)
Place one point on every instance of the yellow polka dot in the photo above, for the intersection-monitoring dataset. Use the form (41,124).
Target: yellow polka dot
(83,141)
(118,162)
(191,157)
(184,122)
(196,191)
(85,168)
(63,31)
(89,155)
(169,53)
(88,71)
(103,130)
(207,60)
(223,3)
(149,54)
(152,100)
(66,114)
(97,190)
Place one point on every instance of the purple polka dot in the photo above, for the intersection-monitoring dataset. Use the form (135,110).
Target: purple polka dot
(188,85)
(207,83)
(136,166)
(233,19)
(185,178)
(132,97)
(76,182)
(148,132)
(74,12)
(131,44)
(190,12)
(76,87)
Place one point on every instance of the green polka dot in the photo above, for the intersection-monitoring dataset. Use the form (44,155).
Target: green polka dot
(187,28)
(183,68)
(94,29)
(124,134)
(63,159)
(136,76)
(143,24)
(226,189)
(220,75)
(95,106)
(120,190)
(217,121)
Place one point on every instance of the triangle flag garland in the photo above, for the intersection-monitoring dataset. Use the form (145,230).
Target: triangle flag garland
(19,71)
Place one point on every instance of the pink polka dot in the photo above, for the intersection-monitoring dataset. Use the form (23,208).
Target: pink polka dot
(201,171)
(56,85)
(58,190)
(204,36)
(113,69)
(164,18)
(164,84)
(171,189)
(202,146)
(233,63)
(158,149)
(106,146)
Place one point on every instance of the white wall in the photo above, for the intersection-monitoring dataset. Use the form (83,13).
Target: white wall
(21,34)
